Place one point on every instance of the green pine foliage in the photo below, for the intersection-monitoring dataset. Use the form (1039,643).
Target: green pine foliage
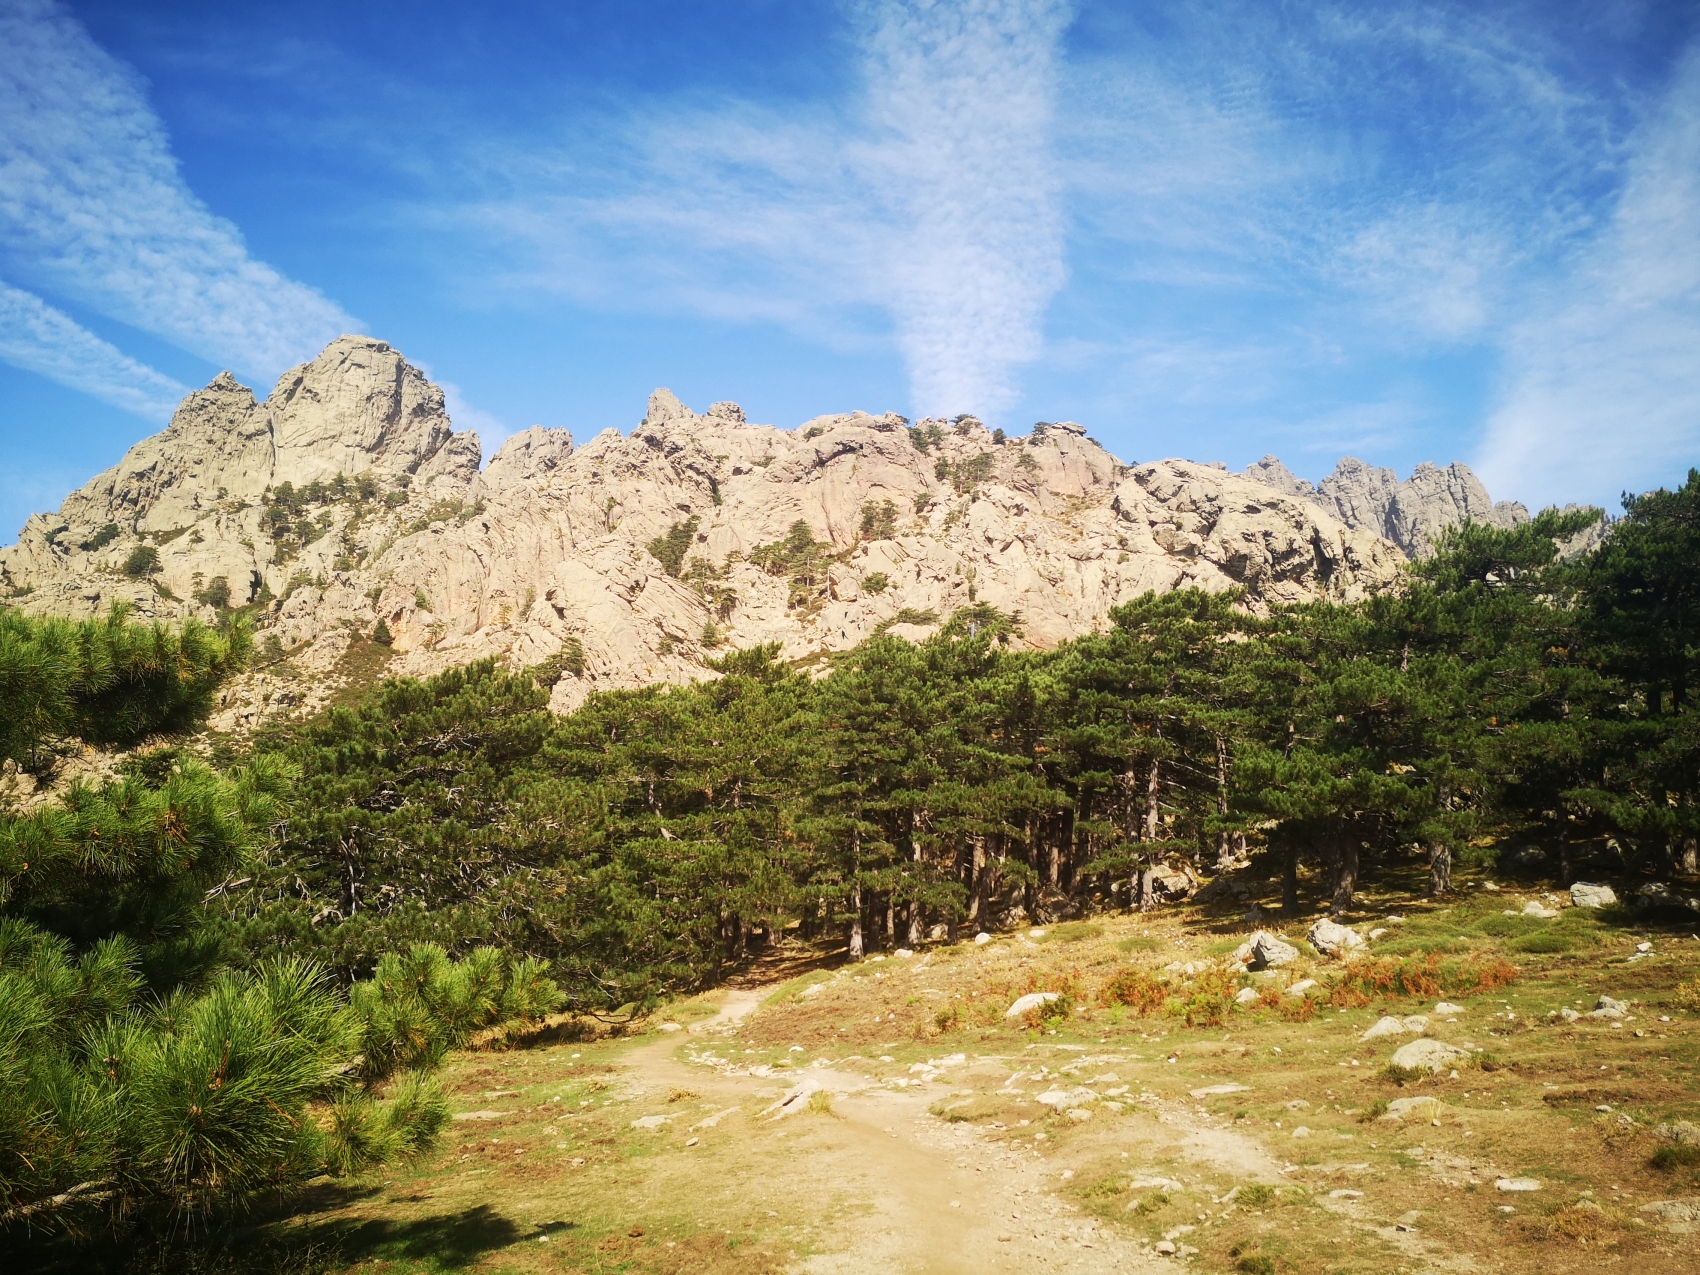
(107,681)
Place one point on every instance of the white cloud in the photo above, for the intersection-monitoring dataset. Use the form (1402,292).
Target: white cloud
(1602,390)
(93,208)
(961,100)
(38,338)
(935,199)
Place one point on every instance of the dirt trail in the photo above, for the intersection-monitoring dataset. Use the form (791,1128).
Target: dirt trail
(902,1190)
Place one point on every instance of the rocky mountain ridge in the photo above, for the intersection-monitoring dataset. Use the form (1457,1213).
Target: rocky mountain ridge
(344,507)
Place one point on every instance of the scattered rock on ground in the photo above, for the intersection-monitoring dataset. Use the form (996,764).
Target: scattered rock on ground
(1609,1007)
(1587,894)
(1385,1027)
(1538,909)
(1301,987)
(1678,1131)
(1245,996)
(1429,1055)
(796,1098)
(1263,950)
(1516,1184)
(1447,1007)
(1332,939)
(1679,1216)
(1657,894)
(1031,1001)
(1068,1099)
(1422,1108)
(1211,1090)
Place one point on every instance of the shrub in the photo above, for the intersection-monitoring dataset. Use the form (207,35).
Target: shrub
(1688,996)
(1256,1264)
(215,594)
(419,1004)
(876,582)
(105,536)
(1428,977)
(669,550)
(1209,999)
(1136,989)
(1680,1155)
(879,520)
(142,562)
(1257,1196)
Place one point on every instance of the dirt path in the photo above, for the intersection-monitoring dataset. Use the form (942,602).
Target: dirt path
(899,1188)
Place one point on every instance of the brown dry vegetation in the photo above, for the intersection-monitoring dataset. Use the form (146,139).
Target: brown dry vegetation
(560,1180)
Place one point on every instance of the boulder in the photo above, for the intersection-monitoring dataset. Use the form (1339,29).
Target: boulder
(1386,1027)
(1681,1217)
(1425,1107)
(1429,1055)
(1245,996)
(1657,894)
(1067,1099)
(1683,1131)
(1031,1001)
(1447,1007)
(1587,894)
(1609,1007)
(1301,987)
(1264,950)
(795,1099)
(1333,939)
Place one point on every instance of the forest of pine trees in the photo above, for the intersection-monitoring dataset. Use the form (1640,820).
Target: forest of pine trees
(218,983)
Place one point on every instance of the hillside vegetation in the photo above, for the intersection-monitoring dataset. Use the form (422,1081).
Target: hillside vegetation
(219,984)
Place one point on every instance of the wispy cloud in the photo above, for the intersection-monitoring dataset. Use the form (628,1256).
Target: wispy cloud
(35,336)
(933,197)
(1603,384)
(93,209)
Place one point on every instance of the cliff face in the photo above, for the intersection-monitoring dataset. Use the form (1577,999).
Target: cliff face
(1411,514)
(346,499)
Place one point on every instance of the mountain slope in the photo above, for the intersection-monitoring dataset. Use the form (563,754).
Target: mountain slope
(346,499)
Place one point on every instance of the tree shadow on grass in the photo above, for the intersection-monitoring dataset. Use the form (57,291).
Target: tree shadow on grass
(449,1241)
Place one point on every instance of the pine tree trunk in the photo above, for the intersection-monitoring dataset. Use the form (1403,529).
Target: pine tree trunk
(1439,869)
(1346,876)
(917,930)
(1290,885)
(1151,790)
(856,924)
(1147,895)
(890,923)
(1691,855)
(977,884)
(1224,849)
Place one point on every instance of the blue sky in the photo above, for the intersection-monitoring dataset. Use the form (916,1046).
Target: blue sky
(1402,231)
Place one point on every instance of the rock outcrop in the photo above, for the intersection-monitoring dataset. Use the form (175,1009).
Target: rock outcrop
(1411,514)
(346,499)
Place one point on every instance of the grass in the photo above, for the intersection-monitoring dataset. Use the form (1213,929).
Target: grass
(1528,1110)
(1138,943)
(1072,932)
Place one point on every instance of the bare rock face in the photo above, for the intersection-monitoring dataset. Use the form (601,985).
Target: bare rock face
(635,559)
(1411,514)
